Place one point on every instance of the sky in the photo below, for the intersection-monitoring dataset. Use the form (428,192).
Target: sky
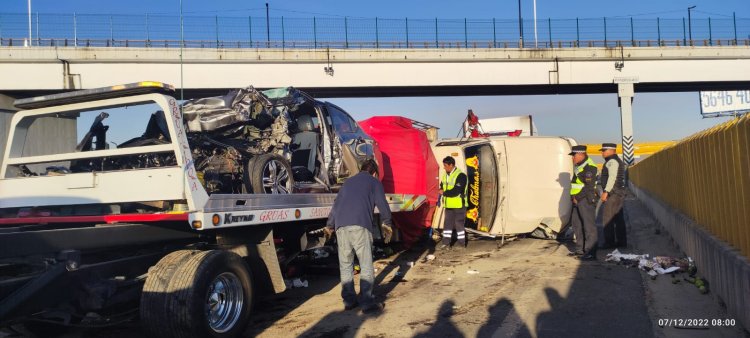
(588,118)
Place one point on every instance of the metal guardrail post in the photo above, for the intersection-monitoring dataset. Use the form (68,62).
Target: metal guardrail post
(283,34)
(549,30)
(406,20)
(658,31)
(315,33)
(377,34)
(346,32)
(684,33)
(734,22)
(216,28)
(466,35)
(436,34)
(111,32)
(148,34)
(494,34)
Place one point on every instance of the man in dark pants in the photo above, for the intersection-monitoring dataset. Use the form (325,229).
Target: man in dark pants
(351,217)
(453,187)
(613,197)
(584,196)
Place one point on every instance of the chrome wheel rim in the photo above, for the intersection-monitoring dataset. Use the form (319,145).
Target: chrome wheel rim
(276,178)
(224,302)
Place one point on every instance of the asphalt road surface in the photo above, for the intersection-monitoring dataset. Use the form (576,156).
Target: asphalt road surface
(526,288)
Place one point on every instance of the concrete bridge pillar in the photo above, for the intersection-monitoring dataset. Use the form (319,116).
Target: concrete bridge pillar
(625,95)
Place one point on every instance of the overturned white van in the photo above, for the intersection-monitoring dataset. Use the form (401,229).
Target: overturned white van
(517,185)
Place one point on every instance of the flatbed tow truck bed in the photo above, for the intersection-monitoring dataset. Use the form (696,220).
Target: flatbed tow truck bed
(192,270)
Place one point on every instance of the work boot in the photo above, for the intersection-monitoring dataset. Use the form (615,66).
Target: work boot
(444,247)
(575,253)
(351,306)
(588,257)
(374,308)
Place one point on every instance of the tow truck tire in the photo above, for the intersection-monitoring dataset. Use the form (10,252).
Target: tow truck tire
(269,169)
(154,296)
(209,295)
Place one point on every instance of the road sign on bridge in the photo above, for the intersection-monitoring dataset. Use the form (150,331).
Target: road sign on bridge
(722,103)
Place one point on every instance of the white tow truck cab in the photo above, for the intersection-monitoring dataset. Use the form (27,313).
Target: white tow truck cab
(517,185)
(101,227)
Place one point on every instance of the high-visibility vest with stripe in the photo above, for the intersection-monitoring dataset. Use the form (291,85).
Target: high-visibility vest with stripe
(577,185)
(448,182)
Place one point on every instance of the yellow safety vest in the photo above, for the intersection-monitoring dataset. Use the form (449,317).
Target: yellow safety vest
(577,184)
(447,183)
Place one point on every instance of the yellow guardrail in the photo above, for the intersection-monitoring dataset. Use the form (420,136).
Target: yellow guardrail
(645,148)
(707,177)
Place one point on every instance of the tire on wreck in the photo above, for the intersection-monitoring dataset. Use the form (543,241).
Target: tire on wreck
(268,174)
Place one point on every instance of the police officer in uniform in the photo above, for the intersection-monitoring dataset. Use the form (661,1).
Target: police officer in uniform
(584,196)
(453,187)
(613,197)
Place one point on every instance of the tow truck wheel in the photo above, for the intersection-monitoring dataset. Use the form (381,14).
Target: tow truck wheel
(155,291)
(208,295)
(269,174)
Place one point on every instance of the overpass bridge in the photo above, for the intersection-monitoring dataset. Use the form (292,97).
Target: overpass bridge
(382,72)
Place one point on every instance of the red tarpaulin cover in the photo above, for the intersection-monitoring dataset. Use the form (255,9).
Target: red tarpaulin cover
(408,167)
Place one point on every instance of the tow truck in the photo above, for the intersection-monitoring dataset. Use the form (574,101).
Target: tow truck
(97,246)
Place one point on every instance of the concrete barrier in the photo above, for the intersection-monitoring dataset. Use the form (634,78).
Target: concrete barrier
(725,268)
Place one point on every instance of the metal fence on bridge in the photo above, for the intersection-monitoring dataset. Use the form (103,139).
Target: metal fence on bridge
(706,177)
(148,30)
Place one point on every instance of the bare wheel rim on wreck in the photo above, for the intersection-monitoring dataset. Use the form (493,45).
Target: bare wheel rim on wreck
(276,178)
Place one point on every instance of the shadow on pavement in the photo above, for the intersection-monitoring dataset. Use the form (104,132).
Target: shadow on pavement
(443,326)
(332,325)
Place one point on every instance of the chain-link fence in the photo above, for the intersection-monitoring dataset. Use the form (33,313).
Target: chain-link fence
(326,32)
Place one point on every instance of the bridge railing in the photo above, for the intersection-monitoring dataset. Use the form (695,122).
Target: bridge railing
(151,30)
(706,176)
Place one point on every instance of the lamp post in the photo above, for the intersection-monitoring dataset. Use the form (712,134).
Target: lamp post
(690,25)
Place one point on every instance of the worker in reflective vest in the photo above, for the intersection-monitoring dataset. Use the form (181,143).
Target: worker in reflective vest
(453,187)
(584,196)
(613,197)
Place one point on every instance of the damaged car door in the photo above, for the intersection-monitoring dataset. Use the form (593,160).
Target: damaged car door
(351,143)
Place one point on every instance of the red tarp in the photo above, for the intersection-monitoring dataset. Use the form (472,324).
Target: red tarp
(408,167)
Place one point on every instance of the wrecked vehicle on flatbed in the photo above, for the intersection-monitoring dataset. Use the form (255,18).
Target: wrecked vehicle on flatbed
(248,141)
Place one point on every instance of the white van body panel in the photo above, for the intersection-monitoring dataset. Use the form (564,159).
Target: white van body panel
(534,176)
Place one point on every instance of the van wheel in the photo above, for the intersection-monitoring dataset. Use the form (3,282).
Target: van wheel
(269,174)
(209,294)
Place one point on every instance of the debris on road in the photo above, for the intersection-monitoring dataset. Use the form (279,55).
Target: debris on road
(658,265)
(296,283)
(661,265)
(472,272)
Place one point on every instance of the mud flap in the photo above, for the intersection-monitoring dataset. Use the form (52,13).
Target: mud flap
(258,249)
